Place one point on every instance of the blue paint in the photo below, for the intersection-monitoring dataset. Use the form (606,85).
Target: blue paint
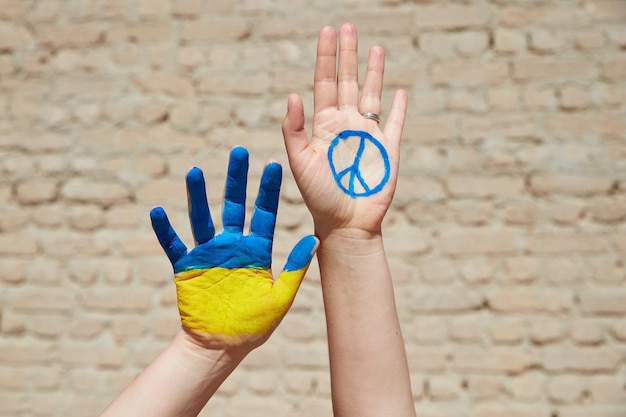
(199,215)
(266,205)
(234,214)
(353,171)
(230,249)
(174,248)
(301,254)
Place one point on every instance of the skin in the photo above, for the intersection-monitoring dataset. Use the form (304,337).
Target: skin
(228,300)
(368,365)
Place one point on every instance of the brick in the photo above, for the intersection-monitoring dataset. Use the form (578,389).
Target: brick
(466,101)
(506,331)
(86,218)
(17,244)
(591,411)
(503,98)
(498,127)
(26,353)
(127,326)
(86,327)
(244,84)
(565,214)
(437,272)
(12,324)
(477,272)
(12,9)
(442,388)
(468,72)
(613,69)
(13,36)
(36,191)
(577,185)
(91,353)
(51,300)
(564,271)
(113,300)
(583,360)
(558,15)
(573,98)
(484,187)
(472,243)
(75,35)
(565,243)
(83,271)
(552,69)
(605,125)
(103,192)
(310,356)
(607,11)
(186,8)
(466,330)
(491,360)
(164,83)
(50,327)
(547,331)
(426,359)
(155,271)
(539,98)
(71,245)
(603,302)
(507,41)
(617,35)
(452,17)
(608,211)
(12,271)
(474,214)
(528,300)
(430,129)
(586,332)
(521,213)
(13,219)
(527,387)
(407,239)
(445,301)
(216,29)
(607,390)
(546,42)
(427,330)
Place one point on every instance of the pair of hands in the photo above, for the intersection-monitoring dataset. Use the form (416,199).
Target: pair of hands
(227,296)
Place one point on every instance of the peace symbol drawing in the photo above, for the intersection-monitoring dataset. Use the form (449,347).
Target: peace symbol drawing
(359,163)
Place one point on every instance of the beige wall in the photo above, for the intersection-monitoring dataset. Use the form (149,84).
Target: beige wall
(507,236)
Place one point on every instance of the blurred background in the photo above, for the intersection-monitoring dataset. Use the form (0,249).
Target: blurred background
(507,236)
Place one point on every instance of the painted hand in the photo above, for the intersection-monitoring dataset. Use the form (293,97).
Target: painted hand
(226,293)
(347,173)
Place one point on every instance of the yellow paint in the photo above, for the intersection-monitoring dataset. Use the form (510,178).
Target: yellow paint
(235,302)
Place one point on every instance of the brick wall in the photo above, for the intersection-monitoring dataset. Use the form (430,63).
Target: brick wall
(507,237)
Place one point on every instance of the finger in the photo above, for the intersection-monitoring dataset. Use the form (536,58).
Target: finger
(373,86)
(297,264)
(348,69)
(266,206)
(234,213)
(397,115)
(174,248)
(324,80)
(294,134)
(199,215)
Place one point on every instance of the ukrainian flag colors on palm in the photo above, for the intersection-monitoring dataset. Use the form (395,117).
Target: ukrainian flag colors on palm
(224,285)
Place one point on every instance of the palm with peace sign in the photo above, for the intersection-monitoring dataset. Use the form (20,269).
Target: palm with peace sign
(348,171)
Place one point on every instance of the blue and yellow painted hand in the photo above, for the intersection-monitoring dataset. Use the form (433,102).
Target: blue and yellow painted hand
(224,284)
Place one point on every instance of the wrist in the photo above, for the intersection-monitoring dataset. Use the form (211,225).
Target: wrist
(350,241)
(197,347)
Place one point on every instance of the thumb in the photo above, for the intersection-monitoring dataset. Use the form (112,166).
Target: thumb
(297,264)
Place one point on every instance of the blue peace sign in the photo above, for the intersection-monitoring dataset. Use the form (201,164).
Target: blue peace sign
(350,179)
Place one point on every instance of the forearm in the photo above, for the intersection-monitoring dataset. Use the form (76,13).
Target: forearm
(369,371)
(179,382)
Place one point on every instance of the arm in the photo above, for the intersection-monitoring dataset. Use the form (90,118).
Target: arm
(347,175)
(222,319)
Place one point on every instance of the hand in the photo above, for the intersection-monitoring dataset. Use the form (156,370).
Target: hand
(227,296)
(347,173)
